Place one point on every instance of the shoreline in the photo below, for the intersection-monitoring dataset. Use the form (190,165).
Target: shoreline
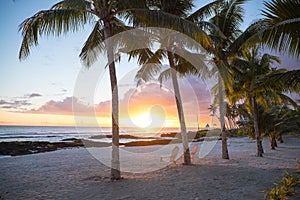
(18,148)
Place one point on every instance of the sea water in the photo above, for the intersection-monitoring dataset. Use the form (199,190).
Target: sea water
(60,133)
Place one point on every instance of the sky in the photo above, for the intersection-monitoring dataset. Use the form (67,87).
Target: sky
(39,90)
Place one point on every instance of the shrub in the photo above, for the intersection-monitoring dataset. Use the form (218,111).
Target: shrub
(286,188)
(275,193)
(289,182)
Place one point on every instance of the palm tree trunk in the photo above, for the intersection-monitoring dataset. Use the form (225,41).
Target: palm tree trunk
(256,128)
(115,162)
(186,151)
(225,154)
(273,142)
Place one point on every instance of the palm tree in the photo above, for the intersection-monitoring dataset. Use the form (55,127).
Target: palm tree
(71,15)
(227,39)
(176,63)
(250,86)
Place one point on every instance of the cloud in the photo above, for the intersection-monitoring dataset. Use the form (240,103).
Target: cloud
(135,101)
(15,104)
(33,95)
(7,107)
(3,102)
(64,107)
(64,90)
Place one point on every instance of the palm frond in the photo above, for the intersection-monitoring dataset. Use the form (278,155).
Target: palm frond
(154,18)
(145,56)
(93,46)
(179,8)
(283,31)
(267,60)
(127,5)
(125,10)
(230,18)
(151,65)
(287,81)
(50,22)
(286,99)
(190,63)
(82,5)
(204,12)
(225,72)
(165,75)
(248,38)
(241,65)
(211,28)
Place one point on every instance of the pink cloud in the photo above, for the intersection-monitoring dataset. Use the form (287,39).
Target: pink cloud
(193,92)
(64,107)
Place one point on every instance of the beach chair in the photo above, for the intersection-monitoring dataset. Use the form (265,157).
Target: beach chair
(172,157)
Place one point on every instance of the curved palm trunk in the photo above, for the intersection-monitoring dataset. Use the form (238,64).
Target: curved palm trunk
(256,128)
(186,151)
(225,154)
(115,162)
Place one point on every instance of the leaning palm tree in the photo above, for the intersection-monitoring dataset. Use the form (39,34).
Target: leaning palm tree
(177,65)
(71,15)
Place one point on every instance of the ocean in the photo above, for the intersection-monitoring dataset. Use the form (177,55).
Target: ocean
(59,133)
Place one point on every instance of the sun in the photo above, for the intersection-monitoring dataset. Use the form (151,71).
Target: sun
(142,120)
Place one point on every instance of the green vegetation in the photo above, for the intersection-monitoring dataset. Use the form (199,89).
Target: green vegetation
(286,188)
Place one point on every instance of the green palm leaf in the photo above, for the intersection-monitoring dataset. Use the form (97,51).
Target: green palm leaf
(93,46)
(155,18)
(283,31)
(287,81)
(50,22)
(204,12)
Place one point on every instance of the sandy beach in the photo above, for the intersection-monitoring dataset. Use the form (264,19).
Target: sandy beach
(75,174)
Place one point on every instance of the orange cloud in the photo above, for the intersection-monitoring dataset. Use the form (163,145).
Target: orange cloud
(151,99)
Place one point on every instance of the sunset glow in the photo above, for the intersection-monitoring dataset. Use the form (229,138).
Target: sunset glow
(149,108)
(40,90)
(142,120)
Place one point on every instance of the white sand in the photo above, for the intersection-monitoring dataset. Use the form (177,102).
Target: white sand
(76,174)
